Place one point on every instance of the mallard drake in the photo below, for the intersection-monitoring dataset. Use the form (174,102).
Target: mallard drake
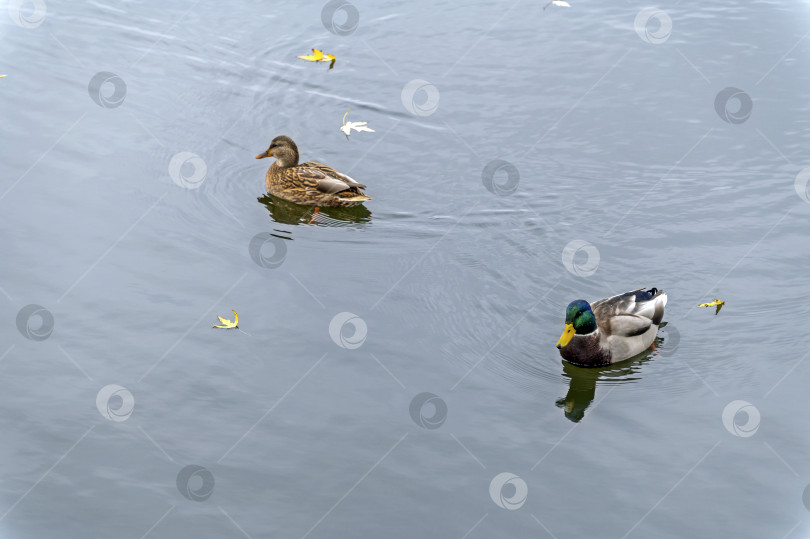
(612,329)
(310,184)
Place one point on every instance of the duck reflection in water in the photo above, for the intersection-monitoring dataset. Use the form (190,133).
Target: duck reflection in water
(583,380)
(289,213)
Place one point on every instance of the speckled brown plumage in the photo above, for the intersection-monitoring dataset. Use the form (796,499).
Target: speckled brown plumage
(311,184)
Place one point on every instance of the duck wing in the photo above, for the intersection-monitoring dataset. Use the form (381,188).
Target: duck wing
(326,179)
(631,313)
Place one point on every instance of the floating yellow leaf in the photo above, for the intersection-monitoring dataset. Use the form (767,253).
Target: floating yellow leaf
(716,303)
(1,76)
(316,56)
(319,56)
(227,324)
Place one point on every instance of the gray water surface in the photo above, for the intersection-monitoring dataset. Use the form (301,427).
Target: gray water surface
(398,358)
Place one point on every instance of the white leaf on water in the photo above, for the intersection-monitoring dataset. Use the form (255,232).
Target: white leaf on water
(357,126)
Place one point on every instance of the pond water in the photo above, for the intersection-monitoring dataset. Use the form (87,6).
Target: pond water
(395,374)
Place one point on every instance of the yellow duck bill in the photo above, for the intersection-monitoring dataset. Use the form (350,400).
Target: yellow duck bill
(568,334)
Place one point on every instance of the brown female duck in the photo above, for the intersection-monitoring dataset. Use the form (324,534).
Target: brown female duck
(311,184)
